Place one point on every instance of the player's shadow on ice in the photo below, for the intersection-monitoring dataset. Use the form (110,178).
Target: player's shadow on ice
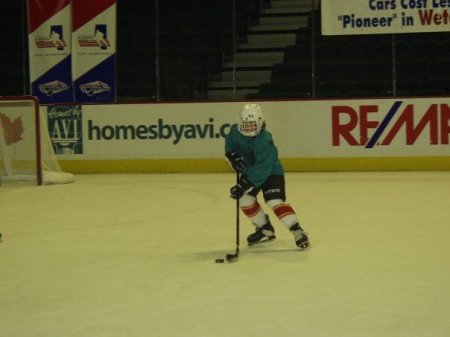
(279,249)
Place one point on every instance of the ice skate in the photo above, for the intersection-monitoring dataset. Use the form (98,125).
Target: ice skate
(301,238)
(262,234)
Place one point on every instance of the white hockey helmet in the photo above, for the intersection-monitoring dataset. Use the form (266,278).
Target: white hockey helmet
(251,120)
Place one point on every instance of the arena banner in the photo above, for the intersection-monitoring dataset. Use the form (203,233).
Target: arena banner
(94,50)
(345,17)
(311,134)
(49,42)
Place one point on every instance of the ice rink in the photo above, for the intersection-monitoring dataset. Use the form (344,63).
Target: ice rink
(133,256)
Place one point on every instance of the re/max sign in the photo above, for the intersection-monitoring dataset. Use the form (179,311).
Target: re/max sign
(366,126)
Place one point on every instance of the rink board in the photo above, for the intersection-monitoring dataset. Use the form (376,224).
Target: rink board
(314,135)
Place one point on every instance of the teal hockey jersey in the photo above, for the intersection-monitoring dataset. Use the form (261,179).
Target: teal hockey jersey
(259,153)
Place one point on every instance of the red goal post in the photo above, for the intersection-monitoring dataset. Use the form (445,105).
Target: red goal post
(26,151)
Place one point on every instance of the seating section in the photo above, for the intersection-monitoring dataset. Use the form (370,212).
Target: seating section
(360,65)
(172,48)
(171,55)
(194,37)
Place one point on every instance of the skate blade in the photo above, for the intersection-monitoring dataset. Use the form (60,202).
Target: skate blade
(262,241)
(306,246)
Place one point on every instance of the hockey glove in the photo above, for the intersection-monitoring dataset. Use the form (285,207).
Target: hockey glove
(236,162)
(242,187)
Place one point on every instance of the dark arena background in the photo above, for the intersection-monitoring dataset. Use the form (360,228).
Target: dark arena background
(203,50)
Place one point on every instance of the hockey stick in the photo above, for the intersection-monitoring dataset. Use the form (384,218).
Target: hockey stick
(233,257)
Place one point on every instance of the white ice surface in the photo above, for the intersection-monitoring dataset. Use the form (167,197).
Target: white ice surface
(133,256)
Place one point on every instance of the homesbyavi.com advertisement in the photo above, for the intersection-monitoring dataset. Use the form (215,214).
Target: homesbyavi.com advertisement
(301,129)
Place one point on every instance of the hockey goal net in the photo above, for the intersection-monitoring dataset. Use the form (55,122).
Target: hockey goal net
(26,151)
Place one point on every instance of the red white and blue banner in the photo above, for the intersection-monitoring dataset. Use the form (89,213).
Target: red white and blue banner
(49,40)
(345,17)
(94,50)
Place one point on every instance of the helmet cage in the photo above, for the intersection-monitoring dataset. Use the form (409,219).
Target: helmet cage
(250,128)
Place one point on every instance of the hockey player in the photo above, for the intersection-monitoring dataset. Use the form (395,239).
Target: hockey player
(250,150)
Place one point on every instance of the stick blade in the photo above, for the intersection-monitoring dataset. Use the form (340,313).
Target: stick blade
(232,257)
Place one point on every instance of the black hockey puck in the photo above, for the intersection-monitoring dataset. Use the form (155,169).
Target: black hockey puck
(220,260)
